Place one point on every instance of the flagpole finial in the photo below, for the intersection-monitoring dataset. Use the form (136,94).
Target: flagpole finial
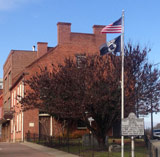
(122,12)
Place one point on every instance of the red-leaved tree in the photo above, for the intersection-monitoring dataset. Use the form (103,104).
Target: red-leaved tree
(90,90)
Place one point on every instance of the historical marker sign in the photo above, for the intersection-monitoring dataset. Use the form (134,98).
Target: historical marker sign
(132,126)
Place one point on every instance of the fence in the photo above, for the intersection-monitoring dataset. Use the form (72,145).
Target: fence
(88,148)
(152,146)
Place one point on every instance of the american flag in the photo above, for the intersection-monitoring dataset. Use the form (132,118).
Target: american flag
(115,27)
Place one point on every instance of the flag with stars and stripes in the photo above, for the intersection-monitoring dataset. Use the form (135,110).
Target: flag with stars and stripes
(115,27)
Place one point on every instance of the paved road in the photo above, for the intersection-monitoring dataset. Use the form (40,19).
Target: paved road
(29,150)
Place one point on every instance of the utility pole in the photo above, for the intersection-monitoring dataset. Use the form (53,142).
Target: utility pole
(151,100)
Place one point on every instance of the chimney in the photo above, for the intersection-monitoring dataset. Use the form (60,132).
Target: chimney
(101,37)
(41,48)
(33,47)
(63,32)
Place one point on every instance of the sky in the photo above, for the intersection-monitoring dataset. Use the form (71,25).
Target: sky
(23,23)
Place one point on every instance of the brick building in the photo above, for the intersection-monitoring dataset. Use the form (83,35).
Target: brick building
(1,85)
(21,65)
(15,63)
(1,106)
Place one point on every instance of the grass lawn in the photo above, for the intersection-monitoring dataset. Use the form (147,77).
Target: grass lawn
(140,150)
(76,147)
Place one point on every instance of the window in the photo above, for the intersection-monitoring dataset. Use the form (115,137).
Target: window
(81,125)
(12,104)
(14,97)
(80,59)
(9,79)
(17,122)
(5,84)
(17,94)
(9,103)
(0,112)
(22,89)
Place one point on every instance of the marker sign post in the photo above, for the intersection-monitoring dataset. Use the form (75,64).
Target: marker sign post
(132,126)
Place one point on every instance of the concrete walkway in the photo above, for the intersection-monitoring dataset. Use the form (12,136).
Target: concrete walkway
(51,151)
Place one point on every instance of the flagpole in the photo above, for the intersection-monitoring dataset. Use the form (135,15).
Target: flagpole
(122,82)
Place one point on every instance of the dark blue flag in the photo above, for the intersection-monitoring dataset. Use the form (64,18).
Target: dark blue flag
(111,46)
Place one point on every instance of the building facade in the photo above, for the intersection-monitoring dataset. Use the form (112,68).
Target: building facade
(1,105)
(15,63)
(1,84)
(70,44)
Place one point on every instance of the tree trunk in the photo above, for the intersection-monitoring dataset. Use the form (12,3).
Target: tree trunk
(103,142)
(68,136)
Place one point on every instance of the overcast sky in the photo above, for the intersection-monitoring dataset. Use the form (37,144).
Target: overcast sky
(23,23)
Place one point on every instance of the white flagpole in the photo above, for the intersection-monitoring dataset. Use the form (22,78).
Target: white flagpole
(122,83)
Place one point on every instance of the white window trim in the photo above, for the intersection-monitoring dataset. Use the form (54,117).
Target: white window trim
(17,94)
(22,89)
(14,97)
(17,123)
(20,122)
(12,104)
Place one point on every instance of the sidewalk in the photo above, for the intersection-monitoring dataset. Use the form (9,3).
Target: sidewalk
(156,145)
(51,151)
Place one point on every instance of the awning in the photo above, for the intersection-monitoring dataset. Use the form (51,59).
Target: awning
(8,115)
(2,121)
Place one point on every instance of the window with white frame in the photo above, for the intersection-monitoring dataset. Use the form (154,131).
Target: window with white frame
(17,94)
(9,79)
(20,122)
(12,99)
(17,123)
(22,89)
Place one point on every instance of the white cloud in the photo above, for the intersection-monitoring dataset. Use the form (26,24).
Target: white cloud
(12,4)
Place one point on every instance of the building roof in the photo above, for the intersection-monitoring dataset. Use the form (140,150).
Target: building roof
(20,75)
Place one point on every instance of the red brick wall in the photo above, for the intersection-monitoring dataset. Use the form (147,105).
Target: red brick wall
(20,60)
(65,36)
(63,31)
(25,119)
(41,49)
(31,117)
(1,100)
(6,69)
(69,44)
(15,63)
(1,105)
